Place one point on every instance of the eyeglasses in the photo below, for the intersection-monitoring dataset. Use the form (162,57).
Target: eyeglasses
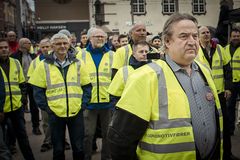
(61,43)
(99,37)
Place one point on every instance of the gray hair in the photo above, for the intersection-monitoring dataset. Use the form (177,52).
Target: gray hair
(66,32)
(59,36)
(92,31)
(174,18)
(45,40)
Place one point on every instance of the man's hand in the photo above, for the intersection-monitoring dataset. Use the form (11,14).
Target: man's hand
(227,94)
(1,117)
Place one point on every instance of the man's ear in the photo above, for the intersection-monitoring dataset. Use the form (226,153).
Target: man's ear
(167,42)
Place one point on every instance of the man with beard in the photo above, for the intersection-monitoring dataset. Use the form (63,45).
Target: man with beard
(98,59)
(234,50)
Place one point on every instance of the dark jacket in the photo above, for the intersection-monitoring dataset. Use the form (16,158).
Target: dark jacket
(39,93)
(2,92)
(18,55)
(5,65)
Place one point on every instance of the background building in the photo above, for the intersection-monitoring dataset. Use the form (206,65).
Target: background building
(118,15)
(54,15)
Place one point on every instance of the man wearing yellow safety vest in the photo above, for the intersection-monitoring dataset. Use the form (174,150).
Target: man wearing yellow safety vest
(137,59)
(98,59)
(4,151)
(169,109)
(214,57)
(234,50)
(121,57)
(16,96)
(62,88)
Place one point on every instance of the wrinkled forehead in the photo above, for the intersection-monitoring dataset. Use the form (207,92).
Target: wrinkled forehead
(10,34)
(138,26)
(4,43)
(98,32)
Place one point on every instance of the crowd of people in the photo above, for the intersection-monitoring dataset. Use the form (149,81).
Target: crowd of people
(167,96)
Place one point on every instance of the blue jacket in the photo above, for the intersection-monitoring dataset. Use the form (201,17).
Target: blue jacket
(97,55)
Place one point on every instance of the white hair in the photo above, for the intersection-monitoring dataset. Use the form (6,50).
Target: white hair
(59,36)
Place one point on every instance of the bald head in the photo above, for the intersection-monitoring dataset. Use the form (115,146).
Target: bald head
(204,35)
(11,36)
(138,32)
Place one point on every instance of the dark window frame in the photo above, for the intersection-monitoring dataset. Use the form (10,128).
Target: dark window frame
(200,7)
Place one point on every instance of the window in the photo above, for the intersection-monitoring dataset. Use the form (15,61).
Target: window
(198,6)
(138,7)
(169,6)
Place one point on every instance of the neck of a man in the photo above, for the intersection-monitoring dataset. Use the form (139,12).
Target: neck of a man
(4,59)
(205,44)
(61,58)
(23,50)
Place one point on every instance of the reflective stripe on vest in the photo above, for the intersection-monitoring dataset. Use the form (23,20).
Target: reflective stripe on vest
(163,117)
(14,93)
(125,74)
(54,86)
(18,66)
(84,55)
(126,55)
(221,64)
(34,63)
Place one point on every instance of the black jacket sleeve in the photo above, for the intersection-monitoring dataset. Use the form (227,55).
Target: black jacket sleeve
(23,88)
(124,133)
(227,76)
(87,93)
(114,71)
(41,99)
(2,92)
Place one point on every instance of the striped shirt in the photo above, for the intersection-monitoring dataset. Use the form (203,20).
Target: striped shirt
(202,110)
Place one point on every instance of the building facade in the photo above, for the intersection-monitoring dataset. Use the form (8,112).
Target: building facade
(118,15)
(54,15)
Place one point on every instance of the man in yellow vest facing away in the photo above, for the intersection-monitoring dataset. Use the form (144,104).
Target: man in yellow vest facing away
(62,88)
(234,50)
(169,109)
(16,96)
(214,57)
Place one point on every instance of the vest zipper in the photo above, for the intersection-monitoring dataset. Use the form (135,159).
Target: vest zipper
(66,89)
(10,95)
(97,85)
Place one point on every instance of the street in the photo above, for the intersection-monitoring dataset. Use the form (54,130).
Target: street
(36,142)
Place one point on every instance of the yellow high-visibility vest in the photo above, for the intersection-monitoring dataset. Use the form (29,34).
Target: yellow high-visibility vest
(219,59)
(121,57)
(13,92)
(235,63)
(154,94)
(119,81)
(100,78)
(64,98)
